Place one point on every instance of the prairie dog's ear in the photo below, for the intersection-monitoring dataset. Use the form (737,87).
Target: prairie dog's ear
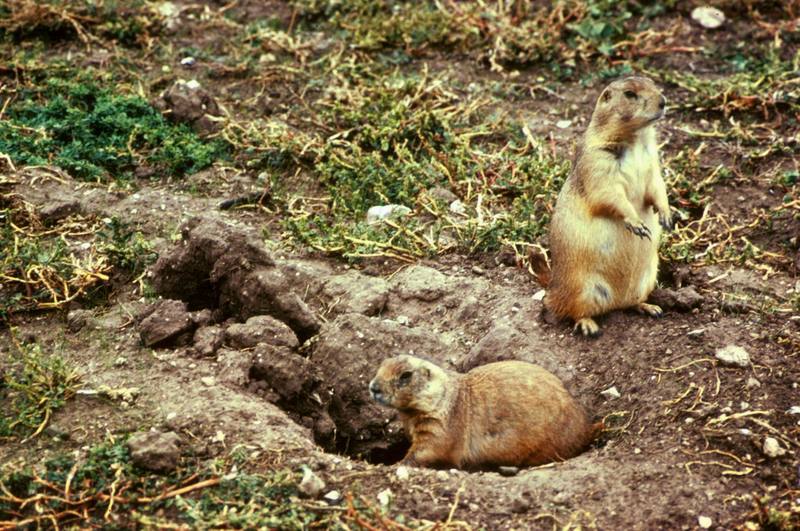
(606,95)
(426,372)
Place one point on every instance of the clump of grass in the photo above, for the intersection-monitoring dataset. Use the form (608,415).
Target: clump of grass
(127,249)
(95,134)
(401,136)
(39,268)
(104,488)
(34,385)
(128,23)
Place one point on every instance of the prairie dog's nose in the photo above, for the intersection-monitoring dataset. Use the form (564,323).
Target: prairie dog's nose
(374,388)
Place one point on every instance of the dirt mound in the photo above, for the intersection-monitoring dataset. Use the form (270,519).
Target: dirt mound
(223,267)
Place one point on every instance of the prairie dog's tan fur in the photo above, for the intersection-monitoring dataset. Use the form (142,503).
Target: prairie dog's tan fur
(509,413)
(608,218)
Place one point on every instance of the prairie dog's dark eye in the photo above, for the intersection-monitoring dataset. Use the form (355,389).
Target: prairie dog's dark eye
(631,95)
(405,378)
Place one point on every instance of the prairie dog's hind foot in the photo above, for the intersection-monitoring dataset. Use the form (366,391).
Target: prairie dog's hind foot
(649,309)
(588,327)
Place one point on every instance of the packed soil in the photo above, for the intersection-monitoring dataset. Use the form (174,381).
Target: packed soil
(248,343)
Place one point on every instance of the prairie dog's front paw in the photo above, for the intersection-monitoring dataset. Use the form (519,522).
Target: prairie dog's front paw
(638,227)
(665,218)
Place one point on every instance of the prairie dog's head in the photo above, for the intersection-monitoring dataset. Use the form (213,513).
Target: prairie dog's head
(627,105)
(408,383)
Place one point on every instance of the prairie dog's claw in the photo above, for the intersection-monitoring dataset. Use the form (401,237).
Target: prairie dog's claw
(638,228)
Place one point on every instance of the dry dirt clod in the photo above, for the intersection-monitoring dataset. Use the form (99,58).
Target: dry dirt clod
(261,329)
(77,319)
(356,293)
(187,102)
(155,451)
(208,339)
(167,320)
(683,300)
(733,355)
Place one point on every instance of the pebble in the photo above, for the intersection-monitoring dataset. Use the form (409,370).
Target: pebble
(333,496)
(611,392)
(704,521)
(733,355)
(442,475)
(794,410)
(381,212)
(207,380)
(752,383)
(696,333)
(188,61)
(772,448)
(539,295)
(385,497)
(563,124)
(402,473)
(457,207)
(477,270)
(708,17)
(311,484)
(508,471)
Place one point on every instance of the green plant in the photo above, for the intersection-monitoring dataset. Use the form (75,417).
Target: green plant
(127,249)
(36,384)
(95,134)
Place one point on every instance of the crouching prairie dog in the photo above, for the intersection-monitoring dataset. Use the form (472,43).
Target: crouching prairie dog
(609,214)
(508,413)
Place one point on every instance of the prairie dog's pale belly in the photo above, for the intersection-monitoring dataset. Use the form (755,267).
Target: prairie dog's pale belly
(636,166)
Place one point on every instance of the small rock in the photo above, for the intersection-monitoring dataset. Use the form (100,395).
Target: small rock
(311,484)
(155,451)
(477,270)
(382,212)
(402,473)
(442,195)
(539,295)
(772,448)
(752,383)
(458,207)
(208,381)
(188,61)
(563,124)
(704,522)
(508,471)
(794,410)
(402,320)
(733,355)
(708,17)
(333,496)
(442,475)
(385,497)
(697,333)
(611,392)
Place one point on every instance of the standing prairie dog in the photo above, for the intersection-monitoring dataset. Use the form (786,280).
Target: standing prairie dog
(608,217)
(509,413)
